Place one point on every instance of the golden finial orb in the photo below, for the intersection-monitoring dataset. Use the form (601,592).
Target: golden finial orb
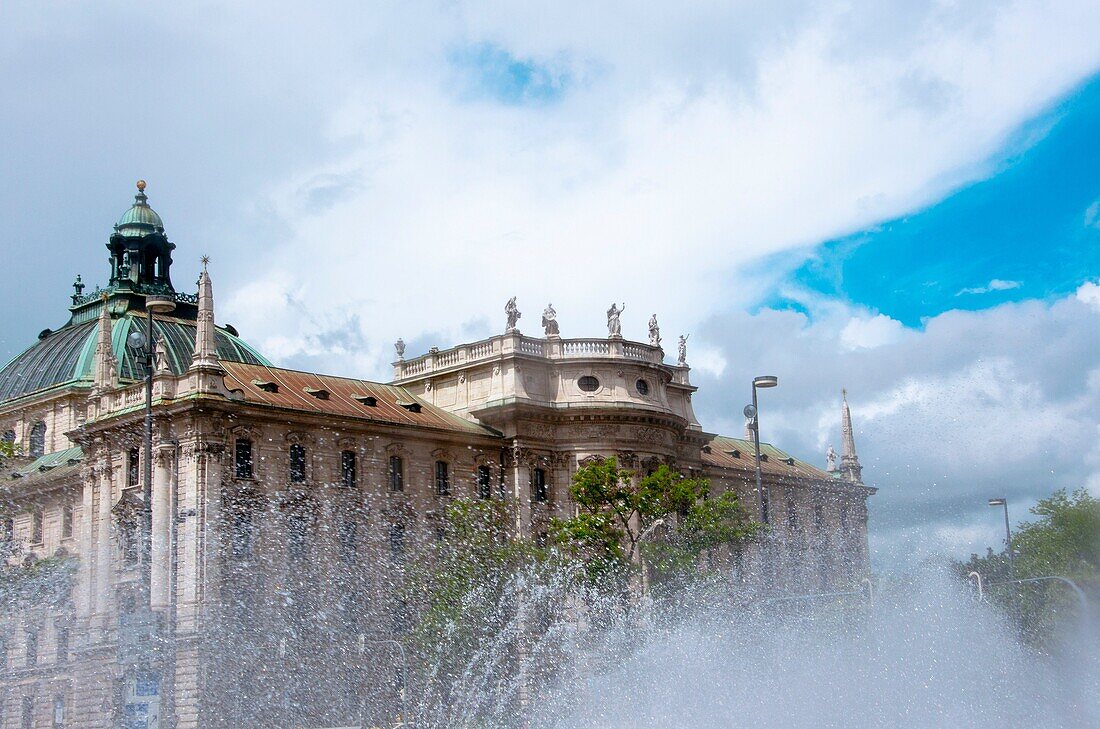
(141,185)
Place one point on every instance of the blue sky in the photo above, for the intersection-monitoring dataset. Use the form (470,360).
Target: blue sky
(1031,229)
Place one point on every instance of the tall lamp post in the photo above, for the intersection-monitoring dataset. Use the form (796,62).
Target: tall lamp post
(1008,536)
(752,412)
(143,345)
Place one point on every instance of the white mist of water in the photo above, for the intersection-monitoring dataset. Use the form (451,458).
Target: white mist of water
(924,655)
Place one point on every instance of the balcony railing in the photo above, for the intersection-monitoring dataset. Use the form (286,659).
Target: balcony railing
(517,344)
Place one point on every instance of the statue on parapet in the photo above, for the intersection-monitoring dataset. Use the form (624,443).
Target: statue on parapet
(830,458)
(512,312)
(399,345)
(550,321)
(654,332)
(614,328)
(682,350)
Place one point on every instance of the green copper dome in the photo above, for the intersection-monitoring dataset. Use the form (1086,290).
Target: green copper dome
(140,220)
(67,355)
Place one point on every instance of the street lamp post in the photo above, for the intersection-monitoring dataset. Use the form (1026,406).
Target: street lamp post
(1008,536)
(753,413)
(143,345)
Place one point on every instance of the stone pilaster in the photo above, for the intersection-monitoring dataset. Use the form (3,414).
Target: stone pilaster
(163,461)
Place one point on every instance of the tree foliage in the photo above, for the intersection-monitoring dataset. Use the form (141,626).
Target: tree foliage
(664,519)
(1064,540)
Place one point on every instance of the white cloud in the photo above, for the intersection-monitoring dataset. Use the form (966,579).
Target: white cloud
(1000,402)
(1089,293)
(994,285)
(687,145)
(871,332)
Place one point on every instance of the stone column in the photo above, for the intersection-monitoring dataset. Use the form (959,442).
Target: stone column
(163,460)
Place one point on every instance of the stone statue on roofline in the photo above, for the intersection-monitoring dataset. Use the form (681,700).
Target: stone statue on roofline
(399,345)
(614,328)
(160,357)
(550,321)
(830,458)
(654,332)
(512,312)
(682,350)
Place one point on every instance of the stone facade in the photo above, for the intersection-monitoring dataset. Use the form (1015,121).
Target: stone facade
(309,494)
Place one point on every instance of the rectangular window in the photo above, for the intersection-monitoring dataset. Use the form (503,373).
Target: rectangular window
(297,540)
(241,536)
(7,529)
(59,712)
(348,541)
(297,463)
(819,517)
(36,527)
(484,482)
(133,466)
(28,713)
(128,541)
(397,474)
(538,485)
(347,469)
(397,540)
(792,516)
(242,457)
(62,644)
(32,648)
(66,521)
(844,517)
(442,478)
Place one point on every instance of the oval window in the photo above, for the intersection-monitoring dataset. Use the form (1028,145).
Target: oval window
(588,383)
(643,387)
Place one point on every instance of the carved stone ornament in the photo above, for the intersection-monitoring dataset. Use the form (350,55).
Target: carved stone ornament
(395,449)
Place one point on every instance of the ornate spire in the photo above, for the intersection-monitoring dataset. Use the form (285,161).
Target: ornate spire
(849,461)
(106,364)
(206,352)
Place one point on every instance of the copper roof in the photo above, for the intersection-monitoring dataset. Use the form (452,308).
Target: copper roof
(299,391)
(778,463)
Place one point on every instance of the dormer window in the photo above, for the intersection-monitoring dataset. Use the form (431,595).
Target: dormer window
(266,386)
(369,400)
(317,392)
(706,449)
(764,457)
(789,461)
(412,407)
(735,453)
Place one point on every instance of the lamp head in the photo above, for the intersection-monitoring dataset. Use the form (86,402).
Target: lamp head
(765,381)
(159,304)
(997,502)
(136,340)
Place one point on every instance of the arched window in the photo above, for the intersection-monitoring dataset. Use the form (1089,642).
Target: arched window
(66,521)
(38,440)
(297,463)
(37,521)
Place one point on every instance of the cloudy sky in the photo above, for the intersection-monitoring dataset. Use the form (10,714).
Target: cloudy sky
(898,198)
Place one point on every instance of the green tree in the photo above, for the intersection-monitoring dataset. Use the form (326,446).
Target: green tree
(664,520)
(1063,540)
